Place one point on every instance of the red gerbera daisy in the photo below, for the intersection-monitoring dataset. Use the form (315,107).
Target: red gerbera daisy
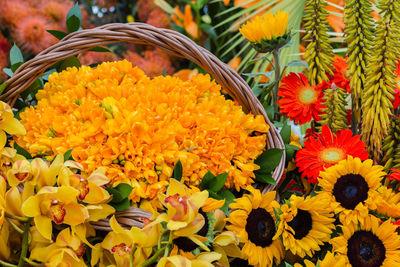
(325,149)
(339,77)
(299,100)
(395,175)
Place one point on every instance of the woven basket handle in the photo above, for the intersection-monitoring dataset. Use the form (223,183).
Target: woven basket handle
(140,33)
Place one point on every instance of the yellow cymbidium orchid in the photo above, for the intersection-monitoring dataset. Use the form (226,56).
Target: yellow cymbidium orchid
(66,251)
(204,259)
(45,174)
(21,171)
(90,190)
(58,204)
(8,124)
(227,244)
(8,156)
(120,242)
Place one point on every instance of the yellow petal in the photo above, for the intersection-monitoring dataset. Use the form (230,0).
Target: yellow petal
(3,139)
(13,126)
(13,202)
(43,225)
(31,207)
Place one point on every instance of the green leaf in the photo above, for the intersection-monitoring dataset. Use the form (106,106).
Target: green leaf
(74,18)
(8,71)
(285,133)
(100,49)
(121,206)
(73,23)
(117,197)
(68,155)
(22,151)
(33,88)
(15,66)
(207,28)
(229,198)
(15,55)
(58,34)
(124,189)
(290,149)
(265,178)
(268,160)
(218,182)
(178,171)
(205,182)
(2,87)
(69,62)
(270,112)
(297,63)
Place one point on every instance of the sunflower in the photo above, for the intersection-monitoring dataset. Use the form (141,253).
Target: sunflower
(305,224)
(389,202)
(253,220)
(299,100)
(330,260)
(324,150)
(350,187)
(371,244)
(267,32)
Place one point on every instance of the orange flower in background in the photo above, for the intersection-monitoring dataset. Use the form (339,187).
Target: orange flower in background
(326,149)
(152,62)
(91,57)
(186,21)
(299,100)
(31,34)
(336,22)
(12,12)
(5,47)
(56,12)
(235,62)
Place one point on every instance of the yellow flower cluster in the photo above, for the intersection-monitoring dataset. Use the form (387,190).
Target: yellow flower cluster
(138,128)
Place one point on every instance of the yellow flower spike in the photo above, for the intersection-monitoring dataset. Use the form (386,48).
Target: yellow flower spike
(21,171)
(58,204)
(8,124)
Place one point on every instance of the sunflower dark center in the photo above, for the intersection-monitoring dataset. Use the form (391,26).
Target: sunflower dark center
(188,245)
(301,224)
(350,189)
(260,227)
(365,249)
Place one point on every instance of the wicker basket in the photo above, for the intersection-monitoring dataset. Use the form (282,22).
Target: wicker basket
(171,42)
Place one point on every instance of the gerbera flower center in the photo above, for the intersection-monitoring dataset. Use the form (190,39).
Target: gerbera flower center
(365,249)
(301,224)
(307,95)
(260,227)
(332,155)
(350,189)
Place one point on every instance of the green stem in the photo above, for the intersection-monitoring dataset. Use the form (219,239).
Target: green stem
(7,264)
(277,69)
(154,257)
(16,228)
(25,238)
(166,252)
(18,218)
(32,263)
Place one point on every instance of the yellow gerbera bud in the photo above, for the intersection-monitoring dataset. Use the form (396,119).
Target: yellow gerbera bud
(267,32)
